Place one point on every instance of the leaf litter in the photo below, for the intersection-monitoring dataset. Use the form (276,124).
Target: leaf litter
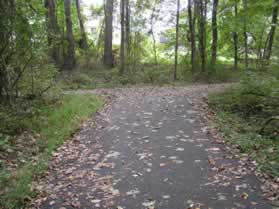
(90,169)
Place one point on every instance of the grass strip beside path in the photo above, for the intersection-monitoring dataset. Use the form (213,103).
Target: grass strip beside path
(54,125)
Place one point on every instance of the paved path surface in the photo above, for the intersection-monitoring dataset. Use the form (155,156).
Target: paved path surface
(149,150)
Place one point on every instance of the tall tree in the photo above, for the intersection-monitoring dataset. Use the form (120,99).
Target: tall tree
(53,31)
(192,34)
(176,40)
(202,4)
(122,47)
(7,20)
(127,25)
(83,41)
(270,39)
(108,56)
(235,35)
(245,33)
(70,60)
(152,19)
(214,33)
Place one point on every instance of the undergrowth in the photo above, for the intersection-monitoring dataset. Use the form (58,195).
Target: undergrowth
(247,115)
(97,76)
(46,129)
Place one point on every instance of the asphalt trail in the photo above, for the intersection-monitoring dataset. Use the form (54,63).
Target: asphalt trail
(149,149)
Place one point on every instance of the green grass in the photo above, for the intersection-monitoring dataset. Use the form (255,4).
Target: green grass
(63,121)
(54,124)
(243,131)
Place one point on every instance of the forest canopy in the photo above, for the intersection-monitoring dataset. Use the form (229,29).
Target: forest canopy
(167,39)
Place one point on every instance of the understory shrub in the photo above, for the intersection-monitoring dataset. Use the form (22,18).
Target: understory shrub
(256,100)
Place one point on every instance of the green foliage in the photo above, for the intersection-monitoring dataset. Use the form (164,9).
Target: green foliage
(82,80)
(29,104)
(18,196)
(53,124)
(242,134)
(24,64)
(256,98)
(64,121)
(247,115)
(97,76)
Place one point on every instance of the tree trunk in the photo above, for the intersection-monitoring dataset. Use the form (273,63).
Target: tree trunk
(176,40)
(70,60)
(7,16)
(205,27)
(153,35)
(122,47)
(202,33)
(192,35)
(2,82)
(268,49)
(245,33)
(260,46)
(214,34)
(127,23)
(235,37)
(84,44)
(108,56)
(100,41)
(53,31)
(154,48)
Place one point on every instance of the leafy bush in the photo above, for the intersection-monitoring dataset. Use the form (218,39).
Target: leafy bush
(34,90)
(247,115)
(25,69)
(256,100)
(82,80)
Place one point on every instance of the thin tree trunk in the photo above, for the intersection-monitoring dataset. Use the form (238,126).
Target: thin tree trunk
(205,27)
(127,34)
(84,44)
(260,46)
(268,49)
(70,60)
(176,40)
(122,47)
(154,48)
(127,23)
(7,18)
(235,37)
(52,31)
(202,33)
(214,34)
(153,36)
(100,39)
(108,56)
(196,27)
(245,33)
(136,50)
(192,35)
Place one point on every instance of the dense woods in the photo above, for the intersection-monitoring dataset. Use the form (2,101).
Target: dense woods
(49,46)
(135,35)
